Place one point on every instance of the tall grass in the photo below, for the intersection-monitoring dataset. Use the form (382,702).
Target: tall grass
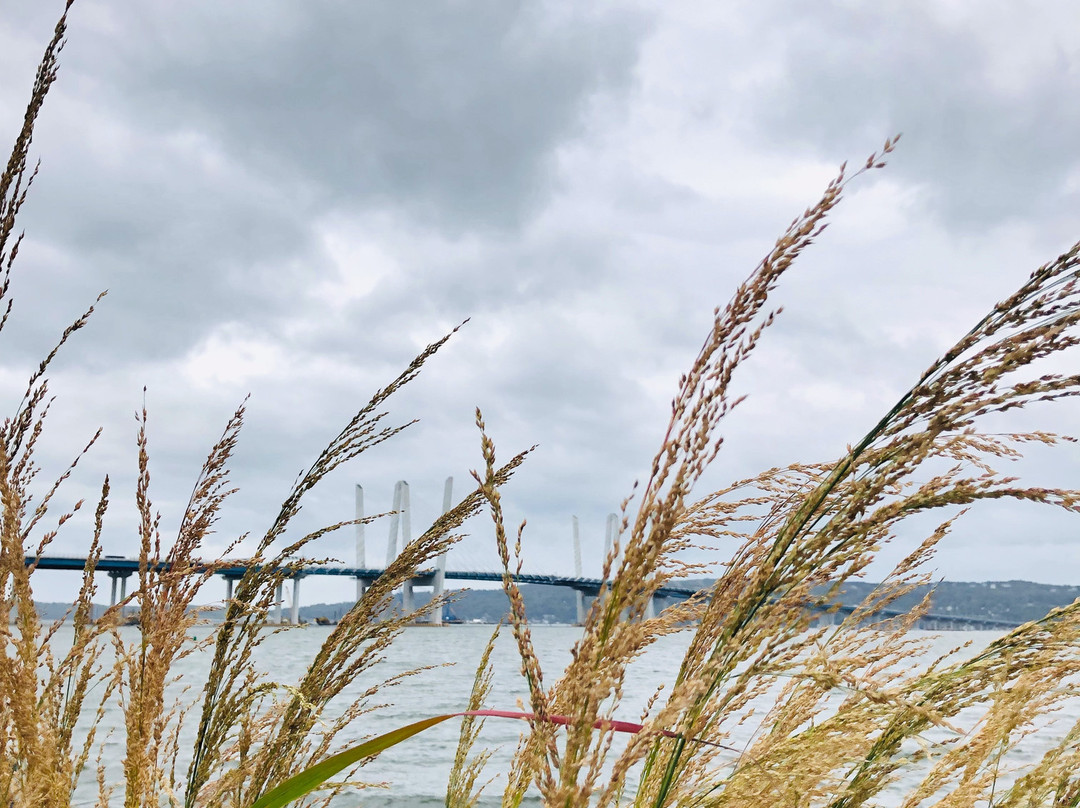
(846,711)
(251,733)
(798,530)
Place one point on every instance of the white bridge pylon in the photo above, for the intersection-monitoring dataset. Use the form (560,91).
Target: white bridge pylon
(400,536)
(611,534)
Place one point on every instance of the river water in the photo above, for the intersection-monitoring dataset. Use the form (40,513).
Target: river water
(415,772)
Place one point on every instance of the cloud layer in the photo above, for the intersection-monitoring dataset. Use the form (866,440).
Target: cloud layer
(290,200)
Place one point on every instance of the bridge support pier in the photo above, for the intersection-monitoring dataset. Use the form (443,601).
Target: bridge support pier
(437,589)
(362,586)
(278,598)
(230,586)
(122,578)
(294,614)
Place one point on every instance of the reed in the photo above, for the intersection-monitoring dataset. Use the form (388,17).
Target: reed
(252,733)
(846,712)
(798,530)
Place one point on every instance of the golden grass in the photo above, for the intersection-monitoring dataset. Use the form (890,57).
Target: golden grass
(252,733)
(847,713)
(802,528)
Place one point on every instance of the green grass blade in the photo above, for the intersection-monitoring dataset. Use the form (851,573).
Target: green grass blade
(311,778)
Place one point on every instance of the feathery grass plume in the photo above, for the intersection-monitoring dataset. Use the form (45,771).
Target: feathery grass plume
(843,712)
(461,788)
(539,743)
(250,737)
(845,517)
(1015,679)
(830,531)
(232,693)
(169,581)
(242,718)
(45,696)
(591,687)
(845,709)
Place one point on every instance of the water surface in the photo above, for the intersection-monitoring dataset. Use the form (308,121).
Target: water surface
(415,772)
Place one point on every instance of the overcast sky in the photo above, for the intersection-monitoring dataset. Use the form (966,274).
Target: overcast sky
(290,199)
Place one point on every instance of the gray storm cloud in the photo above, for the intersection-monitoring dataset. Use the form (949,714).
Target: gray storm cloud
(990,136)
(291,199)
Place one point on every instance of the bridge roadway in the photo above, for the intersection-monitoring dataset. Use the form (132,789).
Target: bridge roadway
(115,566)
(121,568)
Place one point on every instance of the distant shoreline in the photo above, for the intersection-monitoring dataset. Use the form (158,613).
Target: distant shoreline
(1014,602)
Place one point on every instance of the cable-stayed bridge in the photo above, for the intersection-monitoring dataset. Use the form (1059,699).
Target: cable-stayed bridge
(120,568)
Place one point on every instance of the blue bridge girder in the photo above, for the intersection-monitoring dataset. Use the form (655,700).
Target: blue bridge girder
(118,566)
(122,566)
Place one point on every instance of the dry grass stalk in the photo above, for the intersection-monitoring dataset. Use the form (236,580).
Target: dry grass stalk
(274,740)
(44,696)
(844,713)
(169,581)
(252,733)
(843,708)
(461,787)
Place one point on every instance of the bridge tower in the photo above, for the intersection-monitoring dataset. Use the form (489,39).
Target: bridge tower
(579,596)
(362,583)
(400,536)
(279,599)
(610,530)
(611,533)
(439,585)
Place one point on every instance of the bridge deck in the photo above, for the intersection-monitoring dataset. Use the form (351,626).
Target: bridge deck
(127,566)
(122,567)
